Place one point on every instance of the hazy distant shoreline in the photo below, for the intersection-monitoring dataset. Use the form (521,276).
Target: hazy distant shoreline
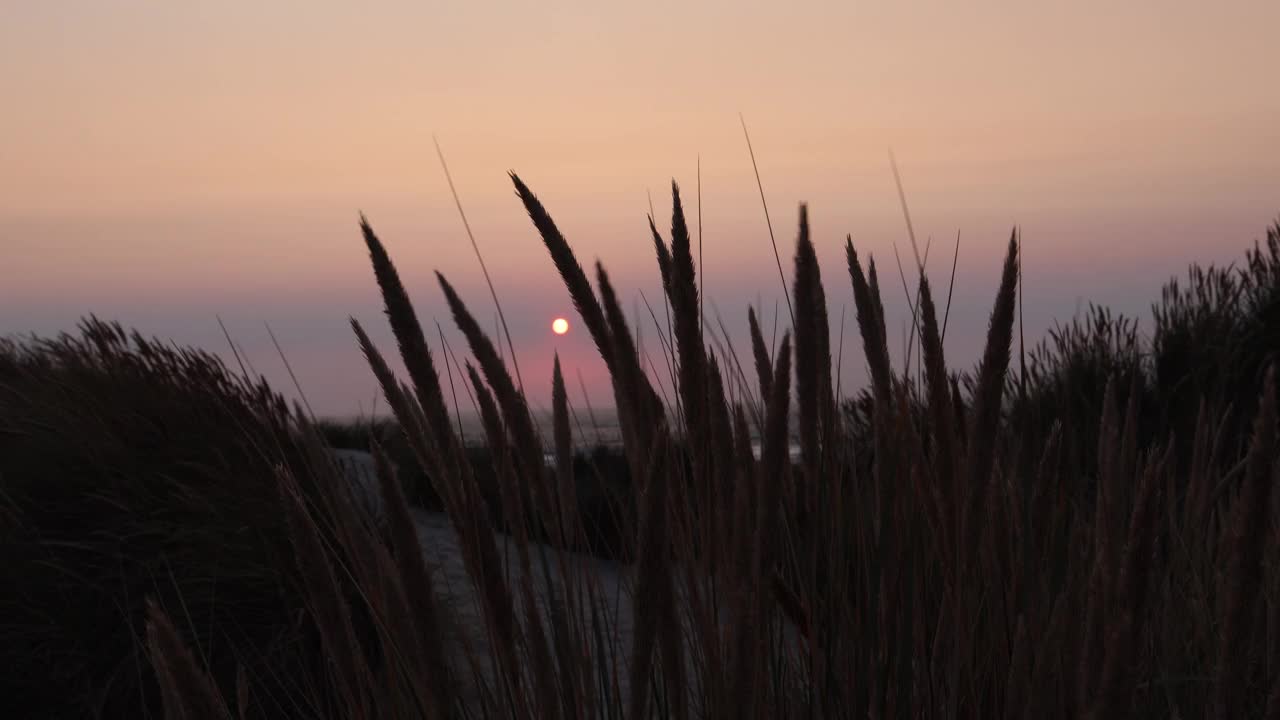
(605,432)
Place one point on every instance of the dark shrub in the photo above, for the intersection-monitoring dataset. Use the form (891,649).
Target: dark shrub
(131,469)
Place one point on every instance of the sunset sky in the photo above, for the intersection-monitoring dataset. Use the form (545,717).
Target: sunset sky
(166,164)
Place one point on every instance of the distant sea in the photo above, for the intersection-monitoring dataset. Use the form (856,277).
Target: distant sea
(595,428)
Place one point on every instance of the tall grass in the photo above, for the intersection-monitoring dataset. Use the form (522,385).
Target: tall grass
(933,553)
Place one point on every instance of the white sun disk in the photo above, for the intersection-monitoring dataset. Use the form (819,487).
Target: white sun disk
(559,326)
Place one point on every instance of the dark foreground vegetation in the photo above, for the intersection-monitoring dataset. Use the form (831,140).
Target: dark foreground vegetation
(603,493)
(1088,529)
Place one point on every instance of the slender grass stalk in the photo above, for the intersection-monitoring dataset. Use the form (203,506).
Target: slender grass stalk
(782,278)
(448,366)
(951,286)
(515,363)
(991,376)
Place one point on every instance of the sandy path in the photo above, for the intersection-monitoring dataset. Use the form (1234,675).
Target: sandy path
(612,587)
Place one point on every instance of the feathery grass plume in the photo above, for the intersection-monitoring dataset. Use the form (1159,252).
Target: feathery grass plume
(638,406)
(875,343)
(420,440)
(941,412)
(688,332)
(816,406)
(813,355)
(584,299)
(1244,562)
(185,688)
(480,554)
(513,496)
(664,256)
(515,413)
(664,271)
(326,601)
(568,511)
(414,350)
(873,284)
(499,451)
(510,495)
(749,642)
(866,298)
(633,384)
(415,575)
(764,367)
(686,315)
(575,279)
(773,486)
(986,408)
(576,673)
